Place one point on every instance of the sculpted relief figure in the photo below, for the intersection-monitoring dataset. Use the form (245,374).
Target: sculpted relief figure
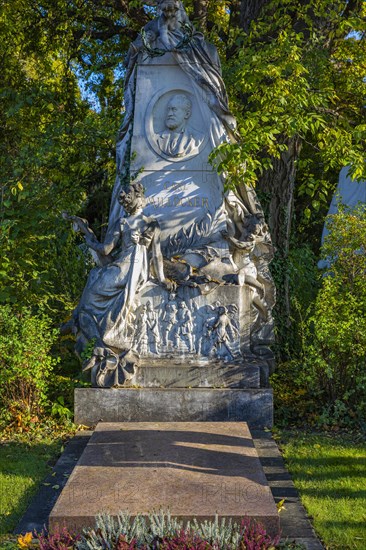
(152,328)
(141,339)
(185,326)
(223,333)
(131,256)
(169,322)
(228,245)
(178,139)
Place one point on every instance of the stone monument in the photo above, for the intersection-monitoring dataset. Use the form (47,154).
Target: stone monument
(348,193)
(181,296)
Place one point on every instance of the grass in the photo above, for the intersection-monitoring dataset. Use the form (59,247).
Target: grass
(328,470)
(330,473)
(23,465)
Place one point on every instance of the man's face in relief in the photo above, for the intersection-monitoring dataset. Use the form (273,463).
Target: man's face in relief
(177,113)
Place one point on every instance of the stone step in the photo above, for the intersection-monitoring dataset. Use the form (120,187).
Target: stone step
(254,406)
(191,469)
(171,373)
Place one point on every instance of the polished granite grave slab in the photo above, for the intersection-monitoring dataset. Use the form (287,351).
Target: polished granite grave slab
(194,469)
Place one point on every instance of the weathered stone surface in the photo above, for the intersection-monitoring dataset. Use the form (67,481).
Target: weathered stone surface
(172,373)
(180,189)
(165,329)
(293,518)
(201,255)
(254,406)
(192,469)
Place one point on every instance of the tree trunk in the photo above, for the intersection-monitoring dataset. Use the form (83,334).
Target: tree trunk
(278,184)
(200,14)
(249,11)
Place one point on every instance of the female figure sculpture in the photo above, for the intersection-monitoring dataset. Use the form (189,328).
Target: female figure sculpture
(131,256)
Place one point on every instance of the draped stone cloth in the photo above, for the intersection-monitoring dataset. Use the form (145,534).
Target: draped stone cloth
(199,60)
(110,290)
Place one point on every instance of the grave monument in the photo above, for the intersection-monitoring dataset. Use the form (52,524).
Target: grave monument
(178,308)
(177,312)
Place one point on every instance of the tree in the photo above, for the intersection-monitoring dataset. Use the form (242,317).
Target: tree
(295,74)
(297,79)
(54,152)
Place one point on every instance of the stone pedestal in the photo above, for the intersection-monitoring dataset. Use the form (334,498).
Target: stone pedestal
(190,373)
(194,470)
(254,406)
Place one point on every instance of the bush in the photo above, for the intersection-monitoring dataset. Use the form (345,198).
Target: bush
(25,365)
(325,384)
(294,403)
(336,351)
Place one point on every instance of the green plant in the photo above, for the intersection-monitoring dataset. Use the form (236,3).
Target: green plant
(293,402)
(8,542)
(108,530)
(324,381)
(160,531)
(25,365)
(336,343)
(221,533)
(60,410)
(87,352)
(329,472)
(299,271)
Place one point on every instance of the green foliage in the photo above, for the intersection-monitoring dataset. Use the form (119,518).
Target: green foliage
(8,543)
(55,153)
(161,530)
(87,352)
(298,73)
(25,365)
(299,271)
(108,529)
(59,409)
(294,404)
(336,354)
(325,382)
(329,472)
(296,80)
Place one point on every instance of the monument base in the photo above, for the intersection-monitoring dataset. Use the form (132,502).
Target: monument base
(193,373)
(254,406)
(191,469)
